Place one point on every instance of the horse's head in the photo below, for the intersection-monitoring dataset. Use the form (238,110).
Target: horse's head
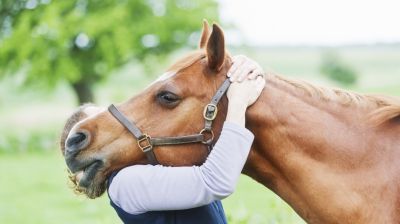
(173,105)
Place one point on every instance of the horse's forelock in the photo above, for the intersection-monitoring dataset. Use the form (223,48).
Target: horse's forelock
(78,115)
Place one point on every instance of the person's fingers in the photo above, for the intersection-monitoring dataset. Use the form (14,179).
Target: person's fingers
(249,90)
(259,86)
(236,71)
(256,72)
(260,83)
(244,71)
(249,70)
(260,79)
(237,63)
(239,58)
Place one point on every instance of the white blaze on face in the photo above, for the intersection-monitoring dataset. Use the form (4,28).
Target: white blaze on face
(164,77)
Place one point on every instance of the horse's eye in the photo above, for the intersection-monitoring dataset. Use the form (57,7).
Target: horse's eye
(168,99)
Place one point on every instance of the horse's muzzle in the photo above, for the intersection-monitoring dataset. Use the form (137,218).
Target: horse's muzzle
(74,144)
(76,141)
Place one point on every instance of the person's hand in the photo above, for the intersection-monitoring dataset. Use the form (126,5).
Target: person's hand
(245,93)
(240,96)
(248,83)
(244,68)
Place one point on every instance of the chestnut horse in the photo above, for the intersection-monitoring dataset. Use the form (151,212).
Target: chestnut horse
(332,155)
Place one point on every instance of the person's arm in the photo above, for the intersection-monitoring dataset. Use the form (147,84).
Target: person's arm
(141,188)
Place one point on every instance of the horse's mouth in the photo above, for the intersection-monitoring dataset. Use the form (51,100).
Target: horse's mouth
(88,181)
(86,175)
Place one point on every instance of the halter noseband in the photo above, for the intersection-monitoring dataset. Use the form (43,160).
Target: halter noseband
(147,143)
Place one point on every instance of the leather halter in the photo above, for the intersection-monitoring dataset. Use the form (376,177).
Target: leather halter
(147,143)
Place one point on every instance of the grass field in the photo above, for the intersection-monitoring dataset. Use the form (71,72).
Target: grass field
(32,173)
(34,190)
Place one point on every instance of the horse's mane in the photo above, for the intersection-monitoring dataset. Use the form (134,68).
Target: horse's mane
(384,108)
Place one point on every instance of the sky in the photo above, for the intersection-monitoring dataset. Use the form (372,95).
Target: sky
(312,22)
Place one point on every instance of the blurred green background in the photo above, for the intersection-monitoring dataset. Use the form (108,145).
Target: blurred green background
(56,54)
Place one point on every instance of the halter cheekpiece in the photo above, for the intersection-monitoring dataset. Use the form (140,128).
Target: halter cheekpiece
(147,143)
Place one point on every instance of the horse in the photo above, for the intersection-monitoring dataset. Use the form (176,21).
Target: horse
(331,154)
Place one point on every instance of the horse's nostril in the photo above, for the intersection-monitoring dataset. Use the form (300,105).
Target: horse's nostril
(76,139)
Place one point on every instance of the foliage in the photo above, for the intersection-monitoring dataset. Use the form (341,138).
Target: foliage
(336,70)
(9,10)
(82,41)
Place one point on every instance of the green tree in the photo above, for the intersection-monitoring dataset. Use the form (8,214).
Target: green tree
(83,41)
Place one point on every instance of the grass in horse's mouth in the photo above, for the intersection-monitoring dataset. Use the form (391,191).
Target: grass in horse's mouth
(74,183)
(85,182)
(81,180)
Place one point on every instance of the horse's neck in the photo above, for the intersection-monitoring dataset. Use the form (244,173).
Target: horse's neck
(307,150)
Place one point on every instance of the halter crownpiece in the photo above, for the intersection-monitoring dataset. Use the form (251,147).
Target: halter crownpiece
(147,143)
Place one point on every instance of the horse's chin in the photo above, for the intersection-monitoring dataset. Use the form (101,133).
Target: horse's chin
(95,190)
(92,184)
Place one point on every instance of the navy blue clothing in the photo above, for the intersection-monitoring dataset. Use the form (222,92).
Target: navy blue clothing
(208,214)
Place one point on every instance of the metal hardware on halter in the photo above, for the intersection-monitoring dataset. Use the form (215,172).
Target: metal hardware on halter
(210,112)
(147,146)
(147,143)
(207,141)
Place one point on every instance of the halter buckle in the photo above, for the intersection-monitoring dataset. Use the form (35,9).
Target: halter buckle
(207,141)
(210,112)
(144,143)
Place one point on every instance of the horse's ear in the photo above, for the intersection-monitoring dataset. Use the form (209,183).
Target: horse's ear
(216,48)
(205,34)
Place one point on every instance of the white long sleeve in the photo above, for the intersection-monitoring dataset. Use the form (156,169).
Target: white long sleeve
(141,188)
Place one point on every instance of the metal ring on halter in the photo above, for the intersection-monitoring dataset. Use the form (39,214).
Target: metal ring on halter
(207,141)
